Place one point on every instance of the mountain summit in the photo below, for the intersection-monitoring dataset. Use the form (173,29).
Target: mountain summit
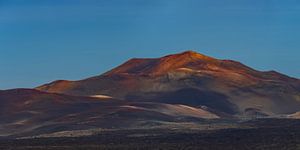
(189,62)
(158,66)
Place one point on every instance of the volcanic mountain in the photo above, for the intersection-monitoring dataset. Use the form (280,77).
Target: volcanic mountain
(224,87)
(146,92)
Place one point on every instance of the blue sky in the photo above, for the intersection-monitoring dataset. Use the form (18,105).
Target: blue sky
(45,40)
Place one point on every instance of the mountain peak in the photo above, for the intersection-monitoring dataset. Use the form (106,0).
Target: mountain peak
(158,66)
(191,54)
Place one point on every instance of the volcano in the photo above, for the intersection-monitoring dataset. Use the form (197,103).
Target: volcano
(146,92)
(193,79)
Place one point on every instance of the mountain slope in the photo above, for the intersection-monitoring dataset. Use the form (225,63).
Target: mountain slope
(192,79)
(27,112)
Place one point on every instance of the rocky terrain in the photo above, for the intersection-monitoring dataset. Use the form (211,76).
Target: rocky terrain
(176,100)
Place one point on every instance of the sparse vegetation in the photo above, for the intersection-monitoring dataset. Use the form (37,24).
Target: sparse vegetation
(264,134)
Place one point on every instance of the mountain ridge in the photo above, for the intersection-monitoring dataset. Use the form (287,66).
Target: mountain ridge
(189,61)
(121,69)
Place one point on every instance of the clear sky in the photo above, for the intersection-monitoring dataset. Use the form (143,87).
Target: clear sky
(45,40)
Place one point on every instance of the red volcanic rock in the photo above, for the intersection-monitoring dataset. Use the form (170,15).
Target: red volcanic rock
(159,66)
(197,80)
(190,61)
